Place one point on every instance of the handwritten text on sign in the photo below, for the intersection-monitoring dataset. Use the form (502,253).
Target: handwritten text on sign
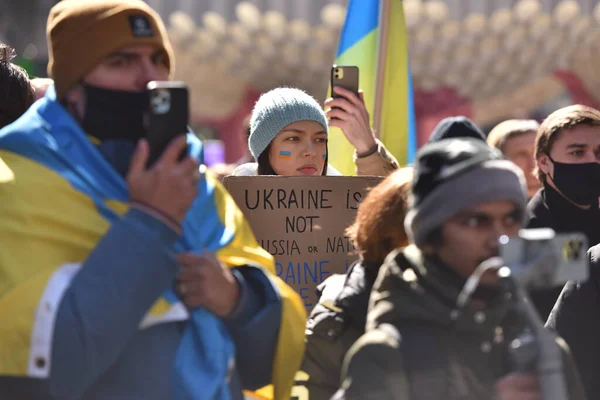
(301,221)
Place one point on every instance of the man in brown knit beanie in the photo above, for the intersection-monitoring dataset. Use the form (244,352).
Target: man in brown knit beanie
(111,286)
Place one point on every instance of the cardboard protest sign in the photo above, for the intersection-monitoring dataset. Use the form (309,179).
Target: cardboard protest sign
(301,222)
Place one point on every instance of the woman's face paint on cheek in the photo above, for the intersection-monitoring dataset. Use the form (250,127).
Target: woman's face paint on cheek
(285,155)
(324,156)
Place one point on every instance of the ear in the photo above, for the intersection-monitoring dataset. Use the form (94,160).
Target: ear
(75,101)
(545,165)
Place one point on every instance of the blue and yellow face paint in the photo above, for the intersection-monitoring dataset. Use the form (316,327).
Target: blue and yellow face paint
(285,155)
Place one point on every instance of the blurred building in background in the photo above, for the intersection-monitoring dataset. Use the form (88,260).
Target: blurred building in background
(487,59)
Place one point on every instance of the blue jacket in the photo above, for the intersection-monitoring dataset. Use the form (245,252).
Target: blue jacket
(103,342)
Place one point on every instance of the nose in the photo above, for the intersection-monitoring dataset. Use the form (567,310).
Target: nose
(496,231)
(310,150)
(149,72)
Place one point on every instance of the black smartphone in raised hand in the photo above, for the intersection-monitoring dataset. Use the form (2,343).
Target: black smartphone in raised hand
(167,116)
(345,76)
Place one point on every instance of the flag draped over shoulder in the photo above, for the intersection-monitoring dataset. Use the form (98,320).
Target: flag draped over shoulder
(59,197)
(358,46)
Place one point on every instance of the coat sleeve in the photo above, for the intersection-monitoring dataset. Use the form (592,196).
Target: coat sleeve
(576,319)
(89,335)
(254,327)
(375,354)
(379,163)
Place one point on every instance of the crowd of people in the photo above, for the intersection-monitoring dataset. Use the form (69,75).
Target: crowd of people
(124,280)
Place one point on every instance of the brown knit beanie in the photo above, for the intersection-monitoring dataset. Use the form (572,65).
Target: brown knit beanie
(82,33)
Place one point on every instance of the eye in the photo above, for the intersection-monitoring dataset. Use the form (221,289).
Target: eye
(512,220)
(293,139)
(577,153)
(159,59)
(322,140)
(473,222)
(119,61)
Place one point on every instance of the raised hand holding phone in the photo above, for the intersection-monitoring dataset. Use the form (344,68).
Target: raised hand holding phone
(347,109)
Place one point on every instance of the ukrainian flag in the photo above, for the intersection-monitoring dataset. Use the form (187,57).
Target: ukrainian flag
(359,46)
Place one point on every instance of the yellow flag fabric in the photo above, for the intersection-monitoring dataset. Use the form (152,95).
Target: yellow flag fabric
(358,46)
(55,209)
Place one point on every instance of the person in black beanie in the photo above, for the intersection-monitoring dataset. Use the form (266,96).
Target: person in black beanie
(421,341)
(456,127)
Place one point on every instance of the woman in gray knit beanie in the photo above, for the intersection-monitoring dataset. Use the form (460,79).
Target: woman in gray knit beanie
(289,131)
(288,135)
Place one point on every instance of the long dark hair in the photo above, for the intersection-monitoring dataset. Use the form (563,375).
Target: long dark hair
(265,168)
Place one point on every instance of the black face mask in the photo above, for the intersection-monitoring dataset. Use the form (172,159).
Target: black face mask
(580,183)
(114,114)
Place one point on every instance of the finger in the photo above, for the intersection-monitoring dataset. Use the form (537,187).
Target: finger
(139,159)
(180,288)
(338,123)
(343,104)
(339,114)
(189,274)
(188,258)
(173,151)
(348,95)
(195,301)
(188,168)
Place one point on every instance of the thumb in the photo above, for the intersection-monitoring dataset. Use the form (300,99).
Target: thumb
(139,158)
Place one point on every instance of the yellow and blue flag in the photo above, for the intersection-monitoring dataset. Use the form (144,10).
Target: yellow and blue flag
(59,197)
(358,46)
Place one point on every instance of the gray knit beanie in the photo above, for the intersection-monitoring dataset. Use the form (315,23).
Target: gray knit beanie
(277,109)
(454,175)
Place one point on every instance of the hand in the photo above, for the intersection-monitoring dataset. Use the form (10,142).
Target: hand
(169,185)
(352,117)
(518,386)
(206,282)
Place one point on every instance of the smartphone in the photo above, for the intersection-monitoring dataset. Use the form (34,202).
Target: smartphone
(543,259)
(167,115)
(346,77)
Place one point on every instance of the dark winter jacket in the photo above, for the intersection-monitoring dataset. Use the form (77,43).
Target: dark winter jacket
(418,347)
(548,209)
(333,326)
(576,317)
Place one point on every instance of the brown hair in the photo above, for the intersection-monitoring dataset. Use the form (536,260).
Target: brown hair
(379,225)
(510,129)
(560,120)
(16,92)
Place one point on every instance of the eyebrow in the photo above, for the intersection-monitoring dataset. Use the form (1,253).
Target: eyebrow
(471,214)
(577,146)
(481,215)
(133,54)
(128,54)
